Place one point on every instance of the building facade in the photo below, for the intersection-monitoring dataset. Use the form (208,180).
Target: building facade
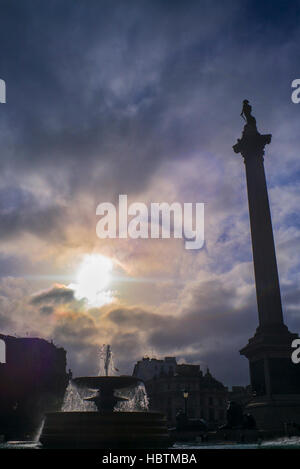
(33,380)
(174,388)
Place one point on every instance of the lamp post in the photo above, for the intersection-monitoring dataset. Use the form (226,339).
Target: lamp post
(185,396)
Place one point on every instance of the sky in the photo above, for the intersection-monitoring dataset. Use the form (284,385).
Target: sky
(144,98)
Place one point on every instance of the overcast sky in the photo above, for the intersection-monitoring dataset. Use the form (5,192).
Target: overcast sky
(144,98)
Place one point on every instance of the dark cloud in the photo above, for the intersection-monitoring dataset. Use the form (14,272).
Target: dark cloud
(22,212)
(56,295)
(6,323)
(214,324)
(78,334)
(75,328)
(210,330)
(47,310)
(100,96)
(137,317)
(12,265)
(95,83)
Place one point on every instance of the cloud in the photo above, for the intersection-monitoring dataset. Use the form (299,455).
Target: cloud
(46,310)
(55,295)
(143,100)
(21,211)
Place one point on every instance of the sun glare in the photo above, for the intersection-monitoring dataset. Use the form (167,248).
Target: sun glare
(92,280)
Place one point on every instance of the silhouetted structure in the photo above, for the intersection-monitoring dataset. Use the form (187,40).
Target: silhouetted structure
(236,419)
(33,380)
(166,383)
(246,113)
(147,368)
(105,428)
(275,379)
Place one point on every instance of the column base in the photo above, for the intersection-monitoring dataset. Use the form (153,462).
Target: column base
(272,371)
(273,414)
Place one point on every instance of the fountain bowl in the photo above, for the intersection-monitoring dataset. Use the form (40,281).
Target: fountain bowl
(114,382)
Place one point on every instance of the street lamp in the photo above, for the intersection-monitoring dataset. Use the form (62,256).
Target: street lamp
(185,396)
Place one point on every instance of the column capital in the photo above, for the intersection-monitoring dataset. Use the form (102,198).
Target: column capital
(252,142)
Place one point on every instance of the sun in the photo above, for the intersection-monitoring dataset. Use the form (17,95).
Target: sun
(92,280)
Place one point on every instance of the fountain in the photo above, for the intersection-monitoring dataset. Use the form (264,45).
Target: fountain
(107,426)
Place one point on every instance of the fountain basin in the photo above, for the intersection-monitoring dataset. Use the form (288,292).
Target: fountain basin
(95,430)
(105,428)
(113,382)
(105,399)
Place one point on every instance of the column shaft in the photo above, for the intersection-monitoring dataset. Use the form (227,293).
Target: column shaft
(265,265)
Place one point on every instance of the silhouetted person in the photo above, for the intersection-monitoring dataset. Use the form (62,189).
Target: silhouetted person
(181,420)
(234,416)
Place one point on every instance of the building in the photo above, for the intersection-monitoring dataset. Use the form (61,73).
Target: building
(147,368)
(167,383)
(33,380)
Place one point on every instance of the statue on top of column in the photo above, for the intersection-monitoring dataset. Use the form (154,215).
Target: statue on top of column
(251,138)
(246,113)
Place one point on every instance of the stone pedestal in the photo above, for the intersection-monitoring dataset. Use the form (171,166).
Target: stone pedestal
(275,380)
(277,413)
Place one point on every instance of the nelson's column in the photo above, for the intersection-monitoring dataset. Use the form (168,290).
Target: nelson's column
(275,379)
